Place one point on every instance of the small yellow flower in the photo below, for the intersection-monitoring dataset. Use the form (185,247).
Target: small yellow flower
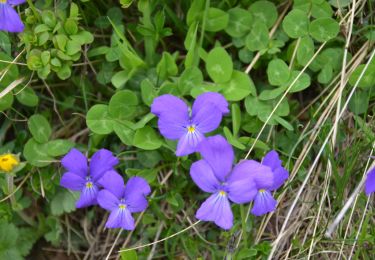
(8,162)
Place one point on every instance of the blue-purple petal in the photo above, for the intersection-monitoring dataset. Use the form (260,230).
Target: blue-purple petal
(202,174)
(216,208)
(101,162)
(113,182)
(107,200)
(169,104)
(120,218)
(10,19)
(211,98)
(263,203)
(370,182)
(16,2)
(88,196)
(136,190)
(173,126)
(72,181)
(188,143)
(219,155)
(74,161)
(207,119)
(272,160)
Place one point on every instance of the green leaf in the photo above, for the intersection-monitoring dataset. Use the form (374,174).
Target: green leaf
(190,78)
(6,101)
(148,91)
(232,140)
(219,65)
(123,104)
(325,74)
(236,118)
(98,120)
(147,139)
(8,238)
(278,72)
(217,20)
(63,202)
(37,154)
(39,128)
(265,12)
(239,86)
(305,50)
(125,133)
(358,104)
(120,78)
(167,66)
(129,255)
(368,79)
(58,147)
(324,29)
(320,10)
(296,24)
(26,96)
(240,21)
(269,94)
(302,82)
(258,38)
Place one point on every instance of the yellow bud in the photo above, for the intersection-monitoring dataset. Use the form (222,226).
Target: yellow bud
(8,162)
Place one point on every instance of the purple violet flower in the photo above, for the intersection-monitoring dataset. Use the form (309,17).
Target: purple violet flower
(370,182)
(122,200)
(79,177)
(214,174)
(177,123)
(9,19)
(264,201)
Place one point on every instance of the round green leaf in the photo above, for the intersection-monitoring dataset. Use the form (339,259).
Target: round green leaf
(296,24)
(324,29)
(26,96)
(265,12)
(190,78)
(368,78)
(258,37)
(147,139)
(305,50)
(58,147)
(123,104)
(325,74)
(126,134)
(216,20)
(6,101)
(302,82)
(219,65)
(277,72)
(36,153)
(98,120)
(358,104)
(240,21)
(269,94)
(239,86)
(40,128)
(321,10)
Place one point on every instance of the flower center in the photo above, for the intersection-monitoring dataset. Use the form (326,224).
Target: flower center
(191,129)
(122,206)
(3,1)
(262,190)
(89,184)
(222,193)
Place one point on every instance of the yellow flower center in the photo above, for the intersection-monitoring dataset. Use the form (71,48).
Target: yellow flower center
(89,185)
(262,190)
(122,206)
(191,129)
(8,161)
(3,1)
(222,193)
